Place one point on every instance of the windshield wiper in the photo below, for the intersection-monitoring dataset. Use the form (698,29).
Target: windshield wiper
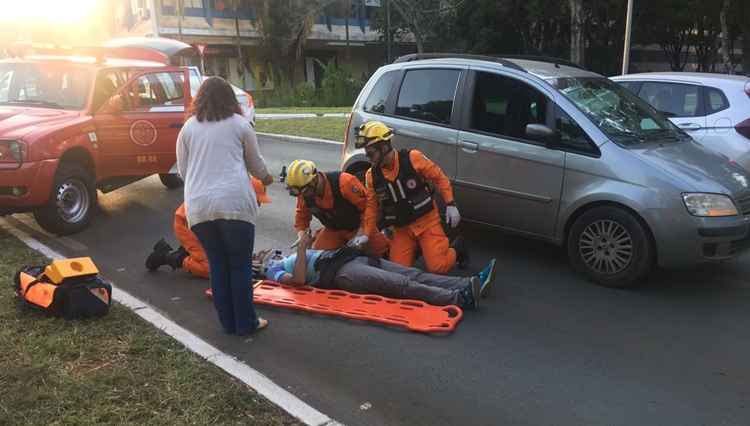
(664,134)
(33,102)
(623,134)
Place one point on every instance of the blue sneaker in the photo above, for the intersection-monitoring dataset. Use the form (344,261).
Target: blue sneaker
(470,294)
(487,277)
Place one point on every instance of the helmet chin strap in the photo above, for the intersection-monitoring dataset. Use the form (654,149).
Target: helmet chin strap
(384,149)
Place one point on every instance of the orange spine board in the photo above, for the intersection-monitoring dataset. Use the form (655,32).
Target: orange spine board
(414,315)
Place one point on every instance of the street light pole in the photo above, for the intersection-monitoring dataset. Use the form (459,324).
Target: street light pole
(388,31)
(628,30)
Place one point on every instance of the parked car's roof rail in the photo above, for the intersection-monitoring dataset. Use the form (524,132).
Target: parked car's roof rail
(547,59)
(420,56)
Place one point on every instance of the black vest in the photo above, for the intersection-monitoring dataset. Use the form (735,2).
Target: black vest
(343,216)
(405,199)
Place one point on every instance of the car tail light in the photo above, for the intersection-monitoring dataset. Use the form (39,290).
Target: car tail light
(744,128)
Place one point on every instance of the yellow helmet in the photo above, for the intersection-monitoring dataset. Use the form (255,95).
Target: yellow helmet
(300,173)
(372,132)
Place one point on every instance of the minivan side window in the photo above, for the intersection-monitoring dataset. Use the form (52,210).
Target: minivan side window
(672,99)
(427,94)
(375,102)
(504,106)
(572,136)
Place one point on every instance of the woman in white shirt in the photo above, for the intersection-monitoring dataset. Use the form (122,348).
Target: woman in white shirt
(217,151)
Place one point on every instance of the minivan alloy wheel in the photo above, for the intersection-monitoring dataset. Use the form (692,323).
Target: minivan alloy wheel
(606,247)
(72,200)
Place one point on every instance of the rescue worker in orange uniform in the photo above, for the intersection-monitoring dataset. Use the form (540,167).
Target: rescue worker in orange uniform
(337,200)
(190,255)
(397,189)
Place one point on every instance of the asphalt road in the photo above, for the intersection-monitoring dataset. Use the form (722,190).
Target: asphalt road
(547,348)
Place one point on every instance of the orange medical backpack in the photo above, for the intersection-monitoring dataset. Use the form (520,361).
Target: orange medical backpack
(68,288)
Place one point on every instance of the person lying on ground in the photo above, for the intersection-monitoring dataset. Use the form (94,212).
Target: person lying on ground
(349,269)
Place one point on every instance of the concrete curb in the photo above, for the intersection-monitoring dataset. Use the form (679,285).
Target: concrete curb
(236,368)
(299,138)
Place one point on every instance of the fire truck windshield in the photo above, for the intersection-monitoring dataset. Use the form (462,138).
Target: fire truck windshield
(44,85)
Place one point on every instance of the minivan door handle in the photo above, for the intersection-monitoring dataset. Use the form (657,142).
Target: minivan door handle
(469,147)
(689,126)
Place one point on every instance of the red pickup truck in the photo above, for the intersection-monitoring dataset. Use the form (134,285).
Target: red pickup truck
(75,121)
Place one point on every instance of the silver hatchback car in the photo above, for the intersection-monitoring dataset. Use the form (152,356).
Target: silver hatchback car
(552,151)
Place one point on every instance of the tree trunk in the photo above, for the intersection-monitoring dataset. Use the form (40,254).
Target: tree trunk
(726,55)
(577,47)
(240,59)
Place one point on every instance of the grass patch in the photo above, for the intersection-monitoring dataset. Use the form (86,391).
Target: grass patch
(303,110)
(113,370)
(331,128)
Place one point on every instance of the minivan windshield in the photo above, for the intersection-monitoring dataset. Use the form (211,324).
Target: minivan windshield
(44,85)
(622,116)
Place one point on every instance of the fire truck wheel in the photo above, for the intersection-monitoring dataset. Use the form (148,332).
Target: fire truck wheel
(171,181)
(72,201)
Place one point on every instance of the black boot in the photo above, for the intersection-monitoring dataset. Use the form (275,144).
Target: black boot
(159,256)
(462,252)
(175,258)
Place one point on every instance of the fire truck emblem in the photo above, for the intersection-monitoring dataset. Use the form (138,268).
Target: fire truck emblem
(143,133)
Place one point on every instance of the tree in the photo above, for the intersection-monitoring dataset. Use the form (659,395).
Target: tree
(284,26)
(669,24)
(742,17)
(705,34)
(605,34)
(422,17)
(726,46)
(577,22)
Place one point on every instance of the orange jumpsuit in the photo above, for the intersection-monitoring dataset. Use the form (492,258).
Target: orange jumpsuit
(196,262)
(330,239)
(427,231)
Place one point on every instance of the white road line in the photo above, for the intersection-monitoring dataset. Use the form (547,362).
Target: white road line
(299,138)
(243,372)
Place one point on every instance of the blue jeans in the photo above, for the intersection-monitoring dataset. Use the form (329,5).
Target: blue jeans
(229,247)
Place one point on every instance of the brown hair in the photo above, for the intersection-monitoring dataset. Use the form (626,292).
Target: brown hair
(215,100)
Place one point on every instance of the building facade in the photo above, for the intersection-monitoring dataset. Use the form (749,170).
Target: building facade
(214,25)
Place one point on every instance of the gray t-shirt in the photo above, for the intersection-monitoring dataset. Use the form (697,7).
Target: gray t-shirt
(216,159)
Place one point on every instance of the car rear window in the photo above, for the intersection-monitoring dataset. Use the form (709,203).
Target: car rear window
(672,99)
(427,94)
(715,100)
(375,102)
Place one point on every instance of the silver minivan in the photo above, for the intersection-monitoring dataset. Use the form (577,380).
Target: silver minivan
(549,150)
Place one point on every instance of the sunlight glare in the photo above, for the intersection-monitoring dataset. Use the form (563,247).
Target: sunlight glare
(46,10)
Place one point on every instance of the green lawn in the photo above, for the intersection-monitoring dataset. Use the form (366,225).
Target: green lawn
(113,370)
(299,110)
(330,128)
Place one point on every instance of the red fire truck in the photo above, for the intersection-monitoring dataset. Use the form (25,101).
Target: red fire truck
(74,121)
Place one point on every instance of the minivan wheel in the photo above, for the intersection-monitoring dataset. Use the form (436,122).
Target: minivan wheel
(171,180)
(610,246)
(72,201)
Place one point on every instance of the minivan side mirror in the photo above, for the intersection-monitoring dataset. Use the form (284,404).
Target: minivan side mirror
(542,133)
